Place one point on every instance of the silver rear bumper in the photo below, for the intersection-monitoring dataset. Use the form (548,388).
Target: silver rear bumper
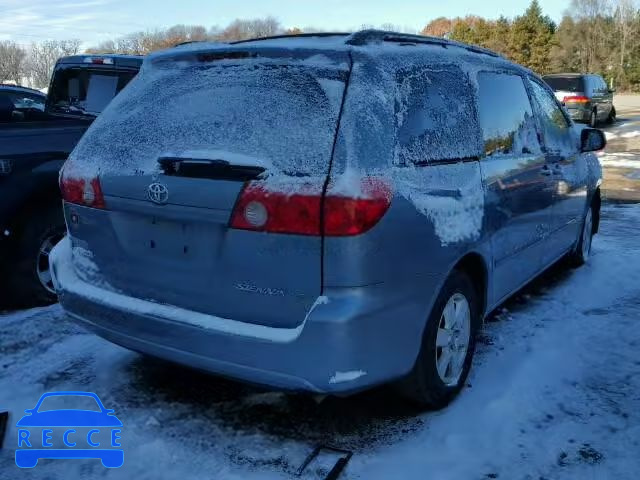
(350,340)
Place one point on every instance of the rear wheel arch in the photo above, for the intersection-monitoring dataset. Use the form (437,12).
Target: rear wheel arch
(424,385)
(475,266)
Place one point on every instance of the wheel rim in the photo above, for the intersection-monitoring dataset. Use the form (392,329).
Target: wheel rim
(42,262)
(452,339)
(586,235)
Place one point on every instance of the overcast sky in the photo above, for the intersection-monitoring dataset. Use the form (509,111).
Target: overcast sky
(92,21)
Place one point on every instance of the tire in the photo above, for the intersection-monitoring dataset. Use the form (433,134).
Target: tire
(593,119)
(580,255)
(611,119)
(426,385)
(28,272)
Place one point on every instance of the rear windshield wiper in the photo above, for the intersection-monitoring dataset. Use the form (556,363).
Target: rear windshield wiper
(214,169)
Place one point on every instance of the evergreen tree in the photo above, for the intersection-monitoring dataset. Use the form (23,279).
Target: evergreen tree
(531,39)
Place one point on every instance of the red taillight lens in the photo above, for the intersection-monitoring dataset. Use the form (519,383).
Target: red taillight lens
(345,216)
(575,99)
(263,210)
(81,191)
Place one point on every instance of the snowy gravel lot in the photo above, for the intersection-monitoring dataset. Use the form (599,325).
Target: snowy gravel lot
(554,394)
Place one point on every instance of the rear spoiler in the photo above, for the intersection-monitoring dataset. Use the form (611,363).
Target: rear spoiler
(212,53)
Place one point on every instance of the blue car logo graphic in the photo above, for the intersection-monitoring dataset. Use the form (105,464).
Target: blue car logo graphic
(38,430)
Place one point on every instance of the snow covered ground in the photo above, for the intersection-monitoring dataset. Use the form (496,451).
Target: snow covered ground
(554,394)
(621,159)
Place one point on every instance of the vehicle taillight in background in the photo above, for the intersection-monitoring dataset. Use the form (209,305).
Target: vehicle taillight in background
(575,99)
(82,191)
(261,209)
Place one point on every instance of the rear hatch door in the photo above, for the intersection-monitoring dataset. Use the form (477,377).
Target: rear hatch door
(174,152)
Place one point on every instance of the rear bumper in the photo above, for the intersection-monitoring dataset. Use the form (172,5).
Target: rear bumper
(579,114)
(350,340)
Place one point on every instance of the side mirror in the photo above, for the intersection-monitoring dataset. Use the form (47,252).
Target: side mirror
(612,90)
(592,140)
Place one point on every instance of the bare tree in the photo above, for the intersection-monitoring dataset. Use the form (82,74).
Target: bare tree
(142,43)
(439,27)
(294,31)
(592,14)
(43,56)
(245,29)
(11,62)
(626,14)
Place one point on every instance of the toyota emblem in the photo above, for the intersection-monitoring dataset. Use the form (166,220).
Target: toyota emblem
(158,193)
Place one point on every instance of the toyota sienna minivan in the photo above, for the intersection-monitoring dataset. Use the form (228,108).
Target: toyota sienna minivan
(322,213)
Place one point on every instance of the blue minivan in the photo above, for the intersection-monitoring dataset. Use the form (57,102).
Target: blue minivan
(323,213)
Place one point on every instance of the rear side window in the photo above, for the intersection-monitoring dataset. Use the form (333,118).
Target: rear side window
(566,84)
(24,101)
(555,127)
(506,118)
(435,115)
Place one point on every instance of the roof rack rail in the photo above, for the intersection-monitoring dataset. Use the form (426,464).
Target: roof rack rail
(365,37)
(292,35)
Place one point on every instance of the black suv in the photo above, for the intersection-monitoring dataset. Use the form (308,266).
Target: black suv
(587,97)
(37,133)
(18,102)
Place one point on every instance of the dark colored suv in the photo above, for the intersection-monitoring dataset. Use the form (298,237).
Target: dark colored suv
(20,103)
(37,133)
(587,97)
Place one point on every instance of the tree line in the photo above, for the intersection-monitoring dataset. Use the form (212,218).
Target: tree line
(33,65)
(595,36)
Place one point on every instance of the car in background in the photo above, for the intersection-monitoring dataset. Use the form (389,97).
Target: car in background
(18,103)
(586,96)
(326,212)
(37,133)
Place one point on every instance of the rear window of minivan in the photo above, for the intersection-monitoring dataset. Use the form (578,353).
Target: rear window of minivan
(565,84)
(284,115)
(435,114)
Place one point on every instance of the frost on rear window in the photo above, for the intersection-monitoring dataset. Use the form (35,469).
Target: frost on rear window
(281,113)
(435,115)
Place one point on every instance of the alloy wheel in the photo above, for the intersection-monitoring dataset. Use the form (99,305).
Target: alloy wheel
(452,339)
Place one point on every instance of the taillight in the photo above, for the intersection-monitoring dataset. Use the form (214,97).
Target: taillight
(263,210)
(575,99)
(81,191)
(344,216)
